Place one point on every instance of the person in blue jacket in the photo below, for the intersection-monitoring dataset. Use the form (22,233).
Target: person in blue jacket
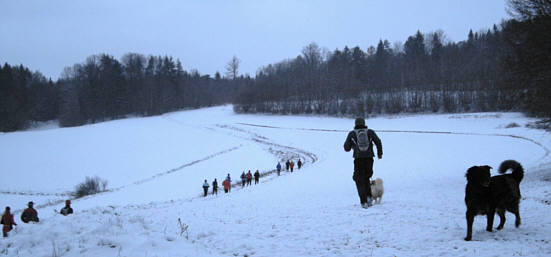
(205,188)
(278,167)
(229,179)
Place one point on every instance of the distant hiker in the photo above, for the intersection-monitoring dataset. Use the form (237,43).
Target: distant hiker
(205,188)
(292,165)
(229,181)
(243,179)
(249,178)
(7,221)
(287,164)
(278,167)
(361,139)
(214,187)
(29,214)
(226,184)
(67,209)
(299,164)
(256,177)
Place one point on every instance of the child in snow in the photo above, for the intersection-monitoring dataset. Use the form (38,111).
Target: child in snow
(226,184)
(205,188)
(7,221)
(249,178)
(292,165)
(214,187)
(29,214)
(256,177)
(67,209)
(299,164)
(278,167)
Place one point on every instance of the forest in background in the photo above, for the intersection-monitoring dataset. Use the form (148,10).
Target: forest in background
(505,68)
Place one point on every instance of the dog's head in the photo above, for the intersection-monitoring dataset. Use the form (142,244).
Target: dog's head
(479,175)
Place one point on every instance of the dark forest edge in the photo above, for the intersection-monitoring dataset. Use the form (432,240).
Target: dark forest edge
(506,68)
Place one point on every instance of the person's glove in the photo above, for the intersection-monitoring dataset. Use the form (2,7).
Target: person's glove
(380,156)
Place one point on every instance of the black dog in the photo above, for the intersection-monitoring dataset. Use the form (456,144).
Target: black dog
(486,195)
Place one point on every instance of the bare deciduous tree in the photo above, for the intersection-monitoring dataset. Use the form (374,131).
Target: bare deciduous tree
(232,68)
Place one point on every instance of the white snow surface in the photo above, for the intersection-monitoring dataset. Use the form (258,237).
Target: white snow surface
(155,167)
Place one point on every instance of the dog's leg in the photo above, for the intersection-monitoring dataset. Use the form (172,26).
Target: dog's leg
(517,216)
(490,218)
(470,220)
(501,213)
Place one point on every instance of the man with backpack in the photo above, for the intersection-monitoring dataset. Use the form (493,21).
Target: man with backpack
(361,139)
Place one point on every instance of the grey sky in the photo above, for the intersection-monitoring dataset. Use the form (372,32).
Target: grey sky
(48,35)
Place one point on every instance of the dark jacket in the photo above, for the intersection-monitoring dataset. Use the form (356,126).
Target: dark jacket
(29,214)
(373,138)
(66,210)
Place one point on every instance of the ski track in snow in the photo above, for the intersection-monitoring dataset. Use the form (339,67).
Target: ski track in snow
(547,151)
(441,228)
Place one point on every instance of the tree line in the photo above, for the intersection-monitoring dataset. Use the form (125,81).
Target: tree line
(505,68)
(104,88)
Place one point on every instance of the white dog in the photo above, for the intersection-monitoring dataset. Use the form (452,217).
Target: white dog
(377,190)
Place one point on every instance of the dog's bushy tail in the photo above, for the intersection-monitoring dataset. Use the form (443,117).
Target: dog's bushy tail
(518,171)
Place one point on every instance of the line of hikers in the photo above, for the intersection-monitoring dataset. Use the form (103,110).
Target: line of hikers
(28,215)
(246,178)
(289,165)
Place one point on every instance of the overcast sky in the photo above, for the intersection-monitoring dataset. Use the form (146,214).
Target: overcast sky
(48,35)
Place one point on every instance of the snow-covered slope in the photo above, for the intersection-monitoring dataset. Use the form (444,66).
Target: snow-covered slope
(155,168)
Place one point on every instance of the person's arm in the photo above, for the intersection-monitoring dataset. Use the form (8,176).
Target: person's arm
(378,144)
(349,143)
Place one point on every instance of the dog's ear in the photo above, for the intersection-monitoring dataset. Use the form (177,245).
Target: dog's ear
(470,173)
(486,167)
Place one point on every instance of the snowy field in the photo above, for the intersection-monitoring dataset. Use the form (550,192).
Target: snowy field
(155,168)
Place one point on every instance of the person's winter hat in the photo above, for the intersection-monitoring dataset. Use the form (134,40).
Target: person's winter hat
(359,122)
(68,202)
(30,204)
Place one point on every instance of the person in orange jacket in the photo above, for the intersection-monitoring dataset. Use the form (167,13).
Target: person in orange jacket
(226,184)
(7,221)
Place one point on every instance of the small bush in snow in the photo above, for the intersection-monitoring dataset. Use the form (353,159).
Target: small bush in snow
(90,186)
(512,125)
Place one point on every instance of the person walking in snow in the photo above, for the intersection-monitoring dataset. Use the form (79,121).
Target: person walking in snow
(215,187)
(249,178)
(243,179)
(29,214)
(287,164)
(205,188)
(7,221)
(278,167)
(361,139)
(67,209)
(256,177)
(299,164)
(292,165)
(228,178)
(226,184)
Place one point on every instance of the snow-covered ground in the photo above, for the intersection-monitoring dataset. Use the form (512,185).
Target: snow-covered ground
(155,168)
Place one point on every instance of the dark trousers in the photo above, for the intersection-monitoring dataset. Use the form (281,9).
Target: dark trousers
(206,190)
(214,190)
(363,170)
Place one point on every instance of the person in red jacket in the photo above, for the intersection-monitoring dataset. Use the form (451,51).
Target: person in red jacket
(7,221)
(29,214)
(226,184)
